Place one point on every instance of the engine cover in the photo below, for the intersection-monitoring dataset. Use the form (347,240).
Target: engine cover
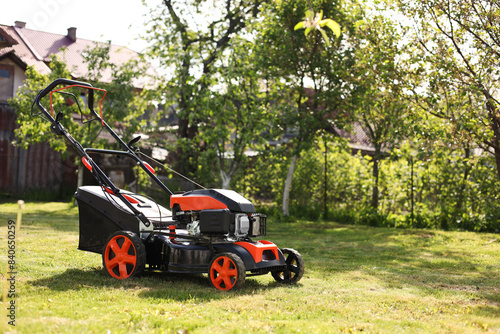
(212,199)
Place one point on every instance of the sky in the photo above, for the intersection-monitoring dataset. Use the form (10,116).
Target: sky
(121,21)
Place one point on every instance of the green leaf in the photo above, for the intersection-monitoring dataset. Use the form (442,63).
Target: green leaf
(299,25)
(307,30)
(334,26)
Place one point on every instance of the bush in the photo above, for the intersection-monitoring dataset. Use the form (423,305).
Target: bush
(449,190)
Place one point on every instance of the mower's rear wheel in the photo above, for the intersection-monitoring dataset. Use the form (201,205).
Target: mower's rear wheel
(227,271)
(294,267)
(124,255)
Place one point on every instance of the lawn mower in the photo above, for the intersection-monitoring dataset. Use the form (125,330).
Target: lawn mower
(204,230)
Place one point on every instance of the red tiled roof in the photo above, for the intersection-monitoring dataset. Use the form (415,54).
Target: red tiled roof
(5,39)
(35,48)
(23,52)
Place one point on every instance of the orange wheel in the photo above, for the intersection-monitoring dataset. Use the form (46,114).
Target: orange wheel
(227,272)
(124,255)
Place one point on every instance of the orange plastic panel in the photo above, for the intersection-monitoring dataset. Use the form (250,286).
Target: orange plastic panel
(195,203)
(87,164)
(127,197)
(130,199)
(257,249)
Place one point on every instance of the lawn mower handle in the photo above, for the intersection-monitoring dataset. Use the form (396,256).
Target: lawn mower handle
(62,81)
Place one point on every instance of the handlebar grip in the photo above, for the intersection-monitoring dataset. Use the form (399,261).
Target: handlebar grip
(51,86)
(57,82)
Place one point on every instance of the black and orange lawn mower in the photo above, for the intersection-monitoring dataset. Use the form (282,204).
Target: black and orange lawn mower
(205,231)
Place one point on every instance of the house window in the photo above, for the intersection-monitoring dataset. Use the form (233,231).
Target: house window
(6,82)
(4,73)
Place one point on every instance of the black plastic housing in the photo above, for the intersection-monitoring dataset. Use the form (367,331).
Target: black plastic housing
(216,221)
(102,214)
(99,218)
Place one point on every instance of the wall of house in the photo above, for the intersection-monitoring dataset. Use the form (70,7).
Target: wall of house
(18,77)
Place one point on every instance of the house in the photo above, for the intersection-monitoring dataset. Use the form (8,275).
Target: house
(39,167)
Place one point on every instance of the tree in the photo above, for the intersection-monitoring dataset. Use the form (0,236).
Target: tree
(380,106)
(236,114)
(191,38)
(455,67)
(309,72)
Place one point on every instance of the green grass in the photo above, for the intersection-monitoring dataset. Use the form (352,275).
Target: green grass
(357,278)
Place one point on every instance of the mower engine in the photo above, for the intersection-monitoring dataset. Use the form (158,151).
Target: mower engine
(220,214)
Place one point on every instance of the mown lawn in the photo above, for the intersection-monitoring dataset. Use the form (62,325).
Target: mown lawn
(358,278)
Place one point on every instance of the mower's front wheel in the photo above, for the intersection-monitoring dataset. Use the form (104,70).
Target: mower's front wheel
(294,267)
(124,255)
(227,272)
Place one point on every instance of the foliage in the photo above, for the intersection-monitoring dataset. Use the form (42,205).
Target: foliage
(315,21)
(450,191)
(193,42)
(125,103)
(347,190)
(312,76)
(236,112)
(263,178)
(143,180)
(454,190)
(377,100)
(387,71)
(454,64)
(34,129)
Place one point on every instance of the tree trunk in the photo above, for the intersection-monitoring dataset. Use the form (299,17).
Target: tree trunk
(226,179)
(375,174)
(288,186)
(494,122)
(463,185)
(497,159)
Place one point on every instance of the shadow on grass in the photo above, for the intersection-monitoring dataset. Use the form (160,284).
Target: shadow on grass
(157,285)
(435,262)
